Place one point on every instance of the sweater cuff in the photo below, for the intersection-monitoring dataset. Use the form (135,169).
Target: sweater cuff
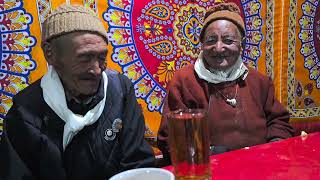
(275,139)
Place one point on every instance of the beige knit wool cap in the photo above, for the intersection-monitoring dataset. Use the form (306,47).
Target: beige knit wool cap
(71,18)
(227,11)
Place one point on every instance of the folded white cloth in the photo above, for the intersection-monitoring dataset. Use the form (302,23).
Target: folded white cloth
(54,96)
(217,76)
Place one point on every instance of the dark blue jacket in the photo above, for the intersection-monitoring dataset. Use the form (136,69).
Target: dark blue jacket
(32,141)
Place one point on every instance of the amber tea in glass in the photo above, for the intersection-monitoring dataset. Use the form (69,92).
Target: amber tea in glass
(189,144)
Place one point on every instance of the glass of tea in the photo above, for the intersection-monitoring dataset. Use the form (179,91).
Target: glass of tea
(189,144)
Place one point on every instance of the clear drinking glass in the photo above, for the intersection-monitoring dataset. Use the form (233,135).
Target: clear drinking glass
(189,144)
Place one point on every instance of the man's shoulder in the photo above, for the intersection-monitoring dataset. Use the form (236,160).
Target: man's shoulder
(30,100)
(116,76)
(111,72)
(185,70)
(255,75)
(185,75)
(258,80)
(32,92)
(118,83)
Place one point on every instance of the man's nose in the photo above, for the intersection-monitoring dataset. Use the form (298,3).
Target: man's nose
(95,68)
(219,47)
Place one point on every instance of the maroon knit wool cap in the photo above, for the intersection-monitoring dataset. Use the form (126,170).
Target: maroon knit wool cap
(227,11)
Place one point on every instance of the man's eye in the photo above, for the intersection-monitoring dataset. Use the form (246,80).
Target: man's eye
(210,41)
(86,57)
(228,41)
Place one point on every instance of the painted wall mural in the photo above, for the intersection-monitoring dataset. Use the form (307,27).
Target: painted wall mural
(151,39)
(155,38)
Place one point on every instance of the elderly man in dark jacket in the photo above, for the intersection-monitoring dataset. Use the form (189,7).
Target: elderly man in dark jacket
(79,121)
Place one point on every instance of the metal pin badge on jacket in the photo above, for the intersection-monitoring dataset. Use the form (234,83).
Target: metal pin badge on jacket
(110,134)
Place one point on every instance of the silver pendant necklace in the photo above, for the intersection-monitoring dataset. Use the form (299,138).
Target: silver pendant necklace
(232,102)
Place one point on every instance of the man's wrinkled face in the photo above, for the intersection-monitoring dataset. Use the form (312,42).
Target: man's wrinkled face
(222,44)
(80,62)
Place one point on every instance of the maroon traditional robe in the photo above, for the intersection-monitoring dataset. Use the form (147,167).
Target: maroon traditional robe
(257,118)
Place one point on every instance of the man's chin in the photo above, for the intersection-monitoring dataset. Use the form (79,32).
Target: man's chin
(90,93)
(85,95)
(220,67)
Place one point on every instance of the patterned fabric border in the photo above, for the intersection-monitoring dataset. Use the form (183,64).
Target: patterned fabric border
(92,4)
(15,48)
(270,38)
(44,8)
(295,112)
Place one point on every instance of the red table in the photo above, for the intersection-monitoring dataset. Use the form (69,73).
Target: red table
(296,158)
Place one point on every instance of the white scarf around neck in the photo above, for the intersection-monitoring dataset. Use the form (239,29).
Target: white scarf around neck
(54,96)
(215,76)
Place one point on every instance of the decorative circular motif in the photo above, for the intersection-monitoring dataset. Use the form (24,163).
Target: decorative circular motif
(16,45)
(187,28)
(309,36)
(158,37)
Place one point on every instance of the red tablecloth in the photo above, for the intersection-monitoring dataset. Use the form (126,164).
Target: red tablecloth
(296,158)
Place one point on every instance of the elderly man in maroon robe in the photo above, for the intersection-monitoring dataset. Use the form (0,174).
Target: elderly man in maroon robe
(242,107)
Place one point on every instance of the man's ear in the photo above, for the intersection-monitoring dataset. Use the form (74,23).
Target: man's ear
(243,43)
(201,46)
(48,52)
